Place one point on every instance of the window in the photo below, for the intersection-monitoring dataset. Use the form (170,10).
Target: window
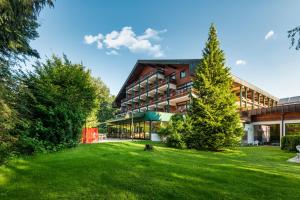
(292,129)
(173,77)
(182,74)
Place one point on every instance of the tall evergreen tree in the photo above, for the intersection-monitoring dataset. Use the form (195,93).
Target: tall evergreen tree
(215,120)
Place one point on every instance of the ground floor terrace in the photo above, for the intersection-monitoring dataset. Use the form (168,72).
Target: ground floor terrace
(269,125)
(142,125)
(264,126)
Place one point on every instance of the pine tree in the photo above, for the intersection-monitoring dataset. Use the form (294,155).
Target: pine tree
(215,120)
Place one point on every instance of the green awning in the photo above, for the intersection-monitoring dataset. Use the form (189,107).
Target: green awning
(142,116)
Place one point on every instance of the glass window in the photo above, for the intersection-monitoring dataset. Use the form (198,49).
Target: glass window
(292,129)
(182,74)
(154,126)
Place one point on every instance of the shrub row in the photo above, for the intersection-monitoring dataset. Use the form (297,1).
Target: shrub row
(289,142)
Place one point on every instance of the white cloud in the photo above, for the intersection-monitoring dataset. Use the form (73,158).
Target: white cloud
(152,34)
(240,62)
(269,35)
(90,39)
(112,52)
(127,38)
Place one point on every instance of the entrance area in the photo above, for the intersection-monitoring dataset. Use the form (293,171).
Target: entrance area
(267,134)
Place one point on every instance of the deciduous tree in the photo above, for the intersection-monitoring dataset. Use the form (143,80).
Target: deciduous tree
(55,101)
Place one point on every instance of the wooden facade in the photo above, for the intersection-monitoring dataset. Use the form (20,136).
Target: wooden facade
(165,86)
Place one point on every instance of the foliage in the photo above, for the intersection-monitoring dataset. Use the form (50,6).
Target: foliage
(7,113)
(7,143)
(215,122)
(54,102)
(292,35)
(125,171)
(18,24)
(175,140)
(289,142)
(173,133)
(106,111)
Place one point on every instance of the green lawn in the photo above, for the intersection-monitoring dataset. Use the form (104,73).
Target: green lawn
(125,171)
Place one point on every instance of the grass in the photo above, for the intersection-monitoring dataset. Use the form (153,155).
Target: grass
(125,171)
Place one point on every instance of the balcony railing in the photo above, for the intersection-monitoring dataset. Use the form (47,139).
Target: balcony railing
(142,78)
(162,98)
(275,109)
(153,87)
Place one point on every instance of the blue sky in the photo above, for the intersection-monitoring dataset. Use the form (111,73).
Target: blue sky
(109,36)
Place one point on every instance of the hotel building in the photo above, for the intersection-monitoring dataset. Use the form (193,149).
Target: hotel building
(156,89)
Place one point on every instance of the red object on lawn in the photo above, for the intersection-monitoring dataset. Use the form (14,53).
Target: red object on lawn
(89,135)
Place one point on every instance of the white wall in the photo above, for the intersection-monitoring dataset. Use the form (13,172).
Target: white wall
(250,131)
(155,137)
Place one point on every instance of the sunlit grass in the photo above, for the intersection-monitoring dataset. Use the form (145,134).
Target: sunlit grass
(126,171)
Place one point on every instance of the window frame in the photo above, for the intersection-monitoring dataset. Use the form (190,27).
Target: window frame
(181,74)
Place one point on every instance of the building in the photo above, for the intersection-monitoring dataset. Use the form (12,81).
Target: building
(156,89)
(268,125)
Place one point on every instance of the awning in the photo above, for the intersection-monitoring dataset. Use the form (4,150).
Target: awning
(142,116)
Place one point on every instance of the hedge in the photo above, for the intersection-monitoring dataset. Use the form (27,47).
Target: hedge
(289,142)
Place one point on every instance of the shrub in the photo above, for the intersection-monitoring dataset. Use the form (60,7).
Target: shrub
(7,143)
(175,140)
(164,132)
(289,142)
(173,133)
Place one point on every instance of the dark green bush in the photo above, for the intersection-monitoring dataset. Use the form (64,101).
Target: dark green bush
(173,133)
(28,146)
(7,144)
(175,140)
(289,142)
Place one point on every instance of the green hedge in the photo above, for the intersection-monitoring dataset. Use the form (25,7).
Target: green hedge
(289,142)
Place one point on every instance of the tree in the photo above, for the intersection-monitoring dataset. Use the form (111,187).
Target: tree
(18,24)
(214,116)
(292,35)
(104,110)
(55,101)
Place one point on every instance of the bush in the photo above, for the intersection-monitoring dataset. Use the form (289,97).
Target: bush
(289,142)
(7,144)
(173,133)
(175,140)
(164,132)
